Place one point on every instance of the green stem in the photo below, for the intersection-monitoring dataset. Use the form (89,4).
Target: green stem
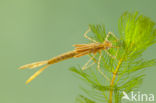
(113,79)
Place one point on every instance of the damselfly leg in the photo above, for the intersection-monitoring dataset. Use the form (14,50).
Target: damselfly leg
(85,35)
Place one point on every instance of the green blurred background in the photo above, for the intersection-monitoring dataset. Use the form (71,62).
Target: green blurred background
(34,30)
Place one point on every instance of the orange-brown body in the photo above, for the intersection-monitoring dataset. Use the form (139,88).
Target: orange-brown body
(80,50)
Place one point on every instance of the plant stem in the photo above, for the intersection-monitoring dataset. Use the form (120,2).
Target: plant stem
(113,79)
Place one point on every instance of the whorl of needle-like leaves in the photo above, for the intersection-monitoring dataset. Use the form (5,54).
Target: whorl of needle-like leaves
(126,72)
(137,31)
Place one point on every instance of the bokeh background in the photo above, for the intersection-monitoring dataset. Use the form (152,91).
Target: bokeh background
(34,30)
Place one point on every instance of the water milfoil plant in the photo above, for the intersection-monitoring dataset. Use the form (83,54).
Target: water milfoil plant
(126,71)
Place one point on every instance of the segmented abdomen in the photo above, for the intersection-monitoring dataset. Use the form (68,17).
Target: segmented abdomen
(62,57)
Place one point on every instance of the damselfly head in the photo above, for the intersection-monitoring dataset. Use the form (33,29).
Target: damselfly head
(107,44)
